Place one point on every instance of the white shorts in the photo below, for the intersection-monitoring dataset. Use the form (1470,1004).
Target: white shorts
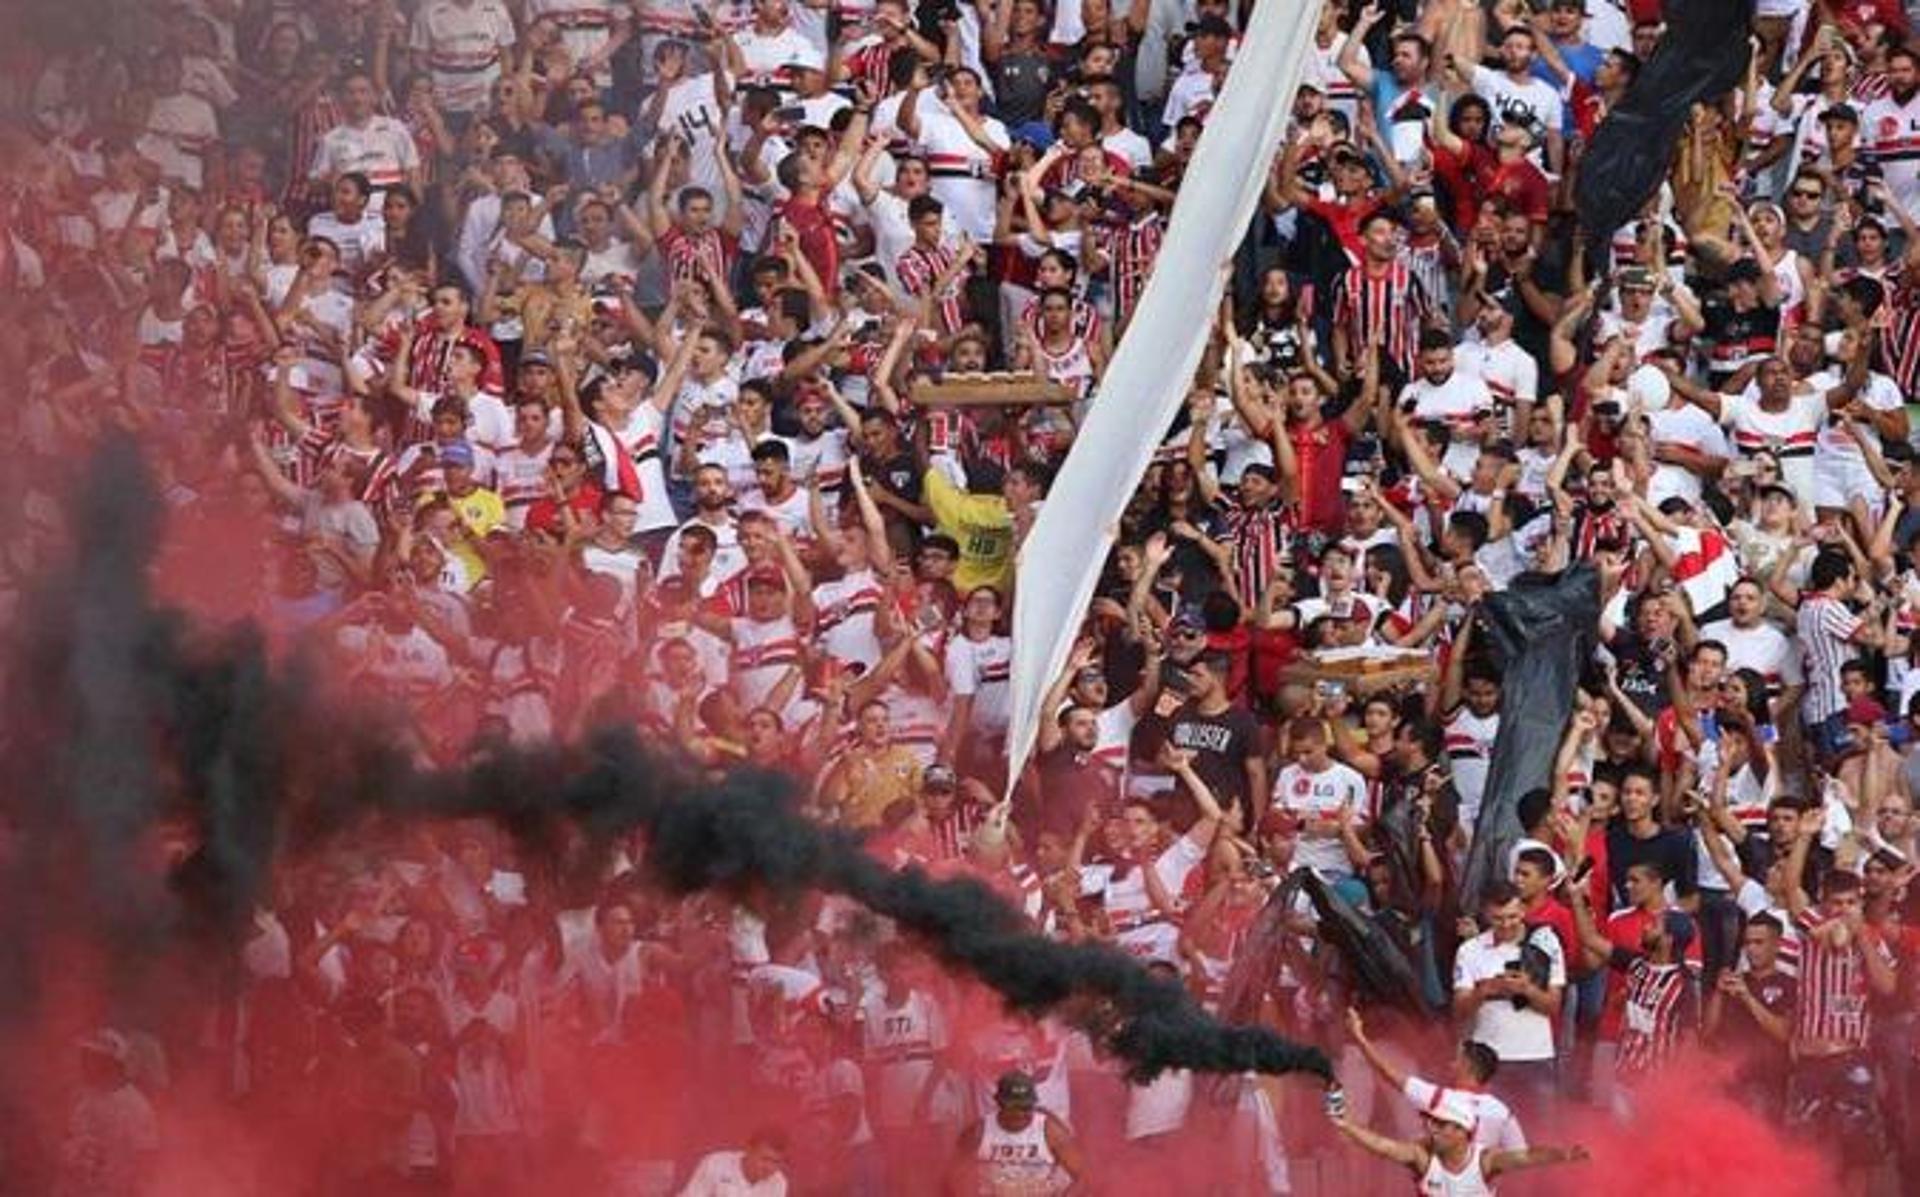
(1838,481)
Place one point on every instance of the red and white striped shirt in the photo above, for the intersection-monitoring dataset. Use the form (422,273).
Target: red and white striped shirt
(1660,1008)
(685,252)
(1389,299)
(919,268)
(1834,998)
(1130,250)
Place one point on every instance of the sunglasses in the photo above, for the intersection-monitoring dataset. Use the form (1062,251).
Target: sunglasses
(1799,193)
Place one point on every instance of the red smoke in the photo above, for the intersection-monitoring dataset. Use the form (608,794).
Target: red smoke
(1687,1137)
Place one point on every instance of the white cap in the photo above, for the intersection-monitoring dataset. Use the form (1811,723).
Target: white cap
(1450,1106)
(807,58)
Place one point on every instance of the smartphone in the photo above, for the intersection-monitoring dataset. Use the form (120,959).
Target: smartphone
(1581,874)
(790,114)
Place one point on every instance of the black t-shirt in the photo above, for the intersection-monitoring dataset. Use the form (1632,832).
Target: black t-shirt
(1732,337)
(1221,745)
(1671,848)
(1020,85)
(1641,672)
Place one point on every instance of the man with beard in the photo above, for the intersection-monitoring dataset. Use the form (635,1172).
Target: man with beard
(712,510)
(1893,124)
(1451,396)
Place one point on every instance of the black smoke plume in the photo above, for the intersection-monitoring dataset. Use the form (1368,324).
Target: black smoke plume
(152,719)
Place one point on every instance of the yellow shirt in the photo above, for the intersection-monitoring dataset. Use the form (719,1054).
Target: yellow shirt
(983,528)
(481,510)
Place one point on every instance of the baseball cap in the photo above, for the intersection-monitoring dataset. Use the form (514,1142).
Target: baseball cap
(938,777)
(1778,490)
(459,453)
(766,575)
(535,357)
(1562,5)
(1187,621)
(1746,270)
(1841,112)
(1037,134)
(806,59)
(1015,1089)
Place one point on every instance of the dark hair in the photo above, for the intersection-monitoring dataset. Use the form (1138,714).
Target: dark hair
(1829,568)
(1425,732)
(1838,882)
(1435,338)
(1482,1061)
(924,205)
(1388,559)
(358,181)
(1472,525)
(1539,858)
(1656,867)
(1533,807)
(772,450)
(1499,892)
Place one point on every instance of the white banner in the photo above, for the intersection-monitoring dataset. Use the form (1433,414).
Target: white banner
(1146,382)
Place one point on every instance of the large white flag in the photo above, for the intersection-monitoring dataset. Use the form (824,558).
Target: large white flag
(1146,381)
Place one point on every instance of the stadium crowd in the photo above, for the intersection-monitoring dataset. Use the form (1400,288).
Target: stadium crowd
(551,363)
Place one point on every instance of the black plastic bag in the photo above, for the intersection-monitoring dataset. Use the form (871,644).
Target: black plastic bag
(1541,630)
(1702,56)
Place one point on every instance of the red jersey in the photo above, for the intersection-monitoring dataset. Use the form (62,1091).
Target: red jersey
(1320,456)
(819,238)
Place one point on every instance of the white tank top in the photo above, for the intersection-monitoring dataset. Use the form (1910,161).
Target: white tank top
(1470,1181)
(1017,1163)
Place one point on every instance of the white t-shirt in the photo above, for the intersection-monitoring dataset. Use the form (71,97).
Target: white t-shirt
(1513,1034)
(1511,375)
(1789,434)
(383,149)
(983,669)
(1458,402)
(359,243)
(1322,793)
(462,46)
(720,1175)
(960,167)
(1763,648)
(1687,427)
(1533,104)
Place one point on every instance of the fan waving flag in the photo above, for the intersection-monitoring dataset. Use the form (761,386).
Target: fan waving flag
(608,464)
